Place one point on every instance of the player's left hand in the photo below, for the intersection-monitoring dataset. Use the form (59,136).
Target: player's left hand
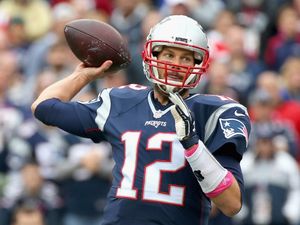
(184,122)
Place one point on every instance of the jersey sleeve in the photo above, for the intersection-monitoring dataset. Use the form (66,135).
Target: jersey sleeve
(227,159)
(228,124)
(73,117)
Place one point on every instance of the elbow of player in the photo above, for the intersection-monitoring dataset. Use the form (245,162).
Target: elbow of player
(232,210)
(33,107)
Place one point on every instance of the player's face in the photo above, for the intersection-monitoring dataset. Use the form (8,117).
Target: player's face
(176,63)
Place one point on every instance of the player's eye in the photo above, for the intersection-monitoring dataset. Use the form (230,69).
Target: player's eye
(167,56)
(187,60)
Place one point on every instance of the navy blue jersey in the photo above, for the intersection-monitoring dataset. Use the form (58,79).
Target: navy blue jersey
(153,183)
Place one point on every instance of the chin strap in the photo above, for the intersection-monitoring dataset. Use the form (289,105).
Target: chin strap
(166,89)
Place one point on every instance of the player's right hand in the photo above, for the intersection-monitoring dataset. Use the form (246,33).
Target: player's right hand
(93,73)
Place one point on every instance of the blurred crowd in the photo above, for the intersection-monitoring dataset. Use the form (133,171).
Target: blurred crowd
(48,177)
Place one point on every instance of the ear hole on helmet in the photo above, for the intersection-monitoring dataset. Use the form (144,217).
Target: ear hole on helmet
(155,54)
(156,50)
(198,61)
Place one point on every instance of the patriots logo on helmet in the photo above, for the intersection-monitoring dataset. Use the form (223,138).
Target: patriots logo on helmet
(233,127)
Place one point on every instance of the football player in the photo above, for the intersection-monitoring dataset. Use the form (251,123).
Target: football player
(174,152)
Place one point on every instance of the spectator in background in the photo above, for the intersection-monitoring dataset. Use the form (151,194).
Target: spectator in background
(135,70)
(30,188)
(36,15)
(252,15)
(60,59)
(4,40)
(286,42)
(102,6)
(205,11)
(85,177)
(18,41)
(176,7)
(285,111)
(10,119)
(12,84)
(244,65)
(216,35)
(105,6)
(216,81)
(112,80)
(27,213)
(296,5)
(290,74)
(36,59)
(272,184)
(127,18)
(82,7)
(89,9)
(33,141)
(271,10)
(261,115)
(12,58)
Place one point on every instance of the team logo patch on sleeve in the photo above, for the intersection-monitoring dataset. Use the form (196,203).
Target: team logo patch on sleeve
(233,127)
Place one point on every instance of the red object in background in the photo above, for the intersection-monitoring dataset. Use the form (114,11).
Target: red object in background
(54,2)
(289,112)
(104,5)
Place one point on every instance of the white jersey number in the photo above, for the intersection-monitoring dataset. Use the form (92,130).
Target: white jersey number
(153,171)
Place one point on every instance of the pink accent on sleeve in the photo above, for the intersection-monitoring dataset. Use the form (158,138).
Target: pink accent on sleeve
(191,150)
(225,183)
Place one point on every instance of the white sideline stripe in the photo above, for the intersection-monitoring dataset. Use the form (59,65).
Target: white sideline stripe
(104,109)
(213,119)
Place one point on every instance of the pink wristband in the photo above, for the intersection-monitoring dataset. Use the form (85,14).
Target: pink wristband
(225,183)
(191,150)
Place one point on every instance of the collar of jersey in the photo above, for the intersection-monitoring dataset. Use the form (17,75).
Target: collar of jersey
(153,102)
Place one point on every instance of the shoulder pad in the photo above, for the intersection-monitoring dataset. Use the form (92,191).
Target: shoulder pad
(125,97)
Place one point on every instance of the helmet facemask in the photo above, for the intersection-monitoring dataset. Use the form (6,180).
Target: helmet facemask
(169,80)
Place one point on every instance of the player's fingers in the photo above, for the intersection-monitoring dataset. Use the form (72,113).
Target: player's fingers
(98,72)
(178,114)
(81,65)
(105,66)
(174,112)
(174,98)
(177,100)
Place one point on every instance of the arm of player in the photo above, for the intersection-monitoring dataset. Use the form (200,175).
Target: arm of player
(68,87)
(216,182)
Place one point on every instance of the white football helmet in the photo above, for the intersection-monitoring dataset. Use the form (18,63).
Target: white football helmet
(181,32)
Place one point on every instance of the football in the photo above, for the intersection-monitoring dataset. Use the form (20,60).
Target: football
(93,42)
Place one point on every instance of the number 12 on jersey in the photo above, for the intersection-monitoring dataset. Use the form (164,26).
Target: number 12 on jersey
(152,171)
